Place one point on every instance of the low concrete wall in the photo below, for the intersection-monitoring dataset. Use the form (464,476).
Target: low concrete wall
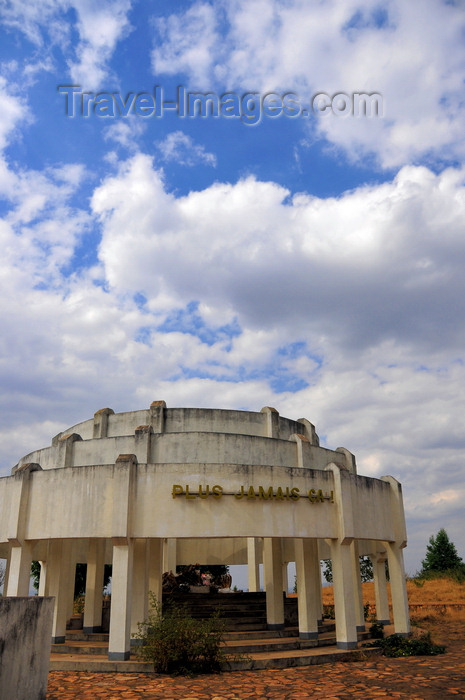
(25,638)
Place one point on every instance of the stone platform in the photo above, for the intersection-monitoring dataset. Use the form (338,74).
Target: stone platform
(247,641)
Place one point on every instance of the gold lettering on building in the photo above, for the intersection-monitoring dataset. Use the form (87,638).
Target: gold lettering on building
(252,493)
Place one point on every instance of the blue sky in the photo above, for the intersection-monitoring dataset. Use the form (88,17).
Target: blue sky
(309,262)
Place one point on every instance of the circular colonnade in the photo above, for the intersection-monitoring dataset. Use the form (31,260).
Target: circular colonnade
(147,490)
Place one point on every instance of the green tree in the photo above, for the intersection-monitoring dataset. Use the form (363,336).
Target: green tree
(366,569)
(441,555)
(79,579)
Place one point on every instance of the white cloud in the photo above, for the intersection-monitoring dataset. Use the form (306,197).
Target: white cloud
(411,53)
(371,283)
(31,17)
(125,133)
(188,41)
(14,111)
(100,27)
(358,299)
(382,262)
(182,149)
(46,24)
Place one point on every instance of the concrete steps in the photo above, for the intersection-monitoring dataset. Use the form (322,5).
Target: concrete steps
(247,643)
(267,651)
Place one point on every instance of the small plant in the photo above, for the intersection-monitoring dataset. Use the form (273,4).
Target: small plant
(328,611)
(398,645)
(176,643)
(376,629)
(78,605)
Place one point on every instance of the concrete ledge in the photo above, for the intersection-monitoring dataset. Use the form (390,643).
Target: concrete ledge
(58,640)
(307,657)
(346,645)
(308,635)
(93,665)
(92,630)
(119,655)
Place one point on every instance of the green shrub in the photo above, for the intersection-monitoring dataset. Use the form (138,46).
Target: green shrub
(398,645)
(176,643)
(329,612)
(377,630)
(456,574)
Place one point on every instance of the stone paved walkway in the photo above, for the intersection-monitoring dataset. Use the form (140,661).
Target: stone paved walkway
(415,678)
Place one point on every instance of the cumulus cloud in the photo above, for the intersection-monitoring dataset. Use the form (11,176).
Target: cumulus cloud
(414,59)
(360,298)
(100,27)
(31,18)
(187,42)
(14,111)
(241,296)
(125,133)
(47,23)
(378,263)
(182,149)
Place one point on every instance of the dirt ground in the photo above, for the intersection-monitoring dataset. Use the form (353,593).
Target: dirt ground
(415,678)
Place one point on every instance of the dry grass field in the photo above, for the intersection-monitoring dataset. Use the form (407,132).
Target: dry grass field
(440,591)
(434,604)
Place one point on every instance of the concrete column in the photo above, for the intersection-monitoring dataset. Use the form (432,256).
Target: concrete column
(400,610)
(43,582)
(94,587)
(140,588)
(70,590)
(156,568)
(381,597)
(121,593)
(271,421)
(310,432)
(308,587)
(320,593)
(253,564)
(349,459)
(272,564)
(61,585)
(20,570)
(344,595)
(285,567)
(157,416)
(19,560)
(300,441)
(358,601)
(101,422)
(396,559)
(65,449)
(7,573)
(143,443)
(169,555)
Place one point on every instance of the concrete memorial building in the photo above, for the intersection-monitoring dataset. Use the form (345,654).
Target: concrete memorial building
(147,490)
